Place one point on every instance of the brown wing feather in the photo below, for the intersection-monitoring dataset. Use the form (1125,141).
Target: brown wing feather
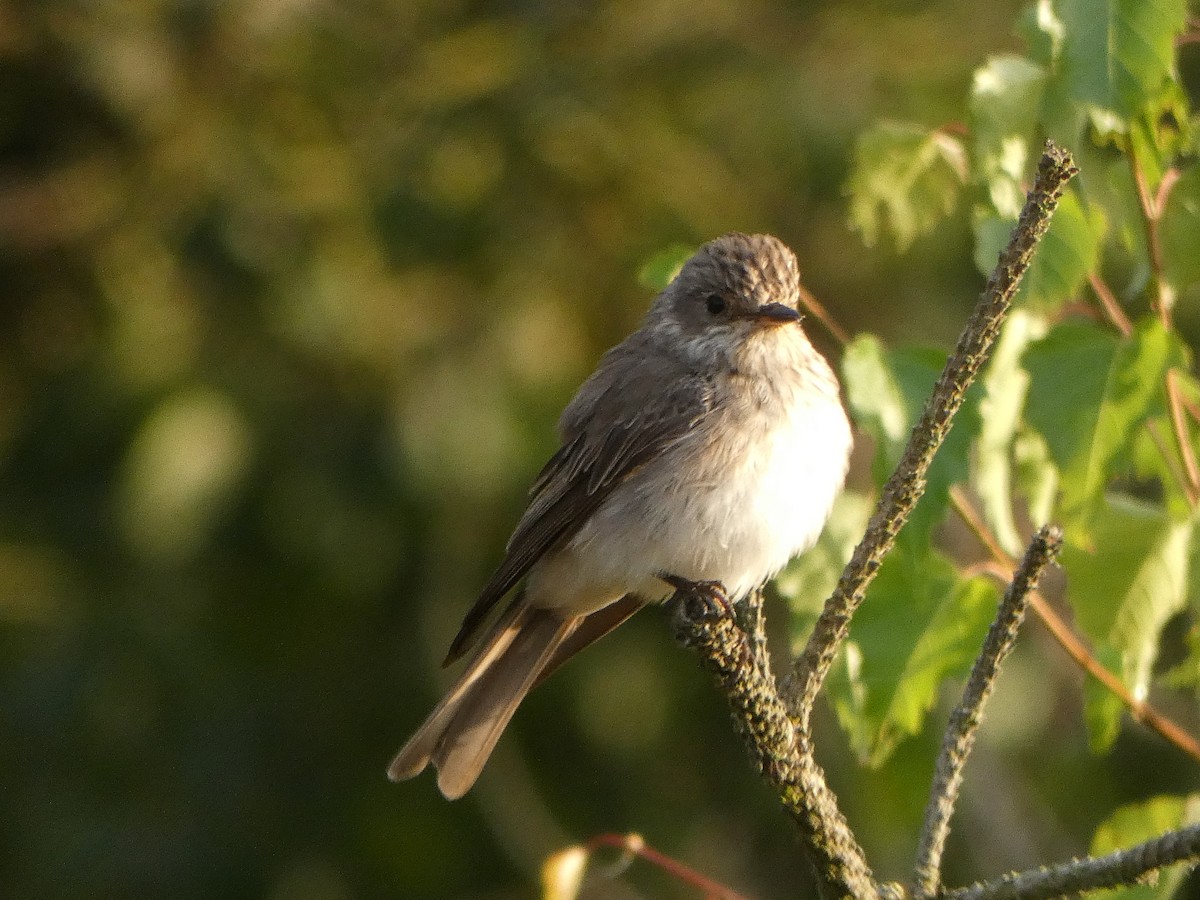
(601,448)
(589,630)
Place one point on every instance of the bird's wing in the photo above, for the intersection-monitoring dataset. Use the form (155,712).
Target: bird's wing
(605,439)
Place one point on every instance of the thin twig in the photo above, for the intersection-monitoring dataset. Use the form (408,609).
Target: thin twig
(634,845)
(1169,179)
(1186,452)
(1152,209)
(1189,478)
(1124,867)
(1110,304)
(818,311)
(1192,35)
(1192,407)
(1141,711)
(1162,300)
(964,722)
(1163,446)
(907,483)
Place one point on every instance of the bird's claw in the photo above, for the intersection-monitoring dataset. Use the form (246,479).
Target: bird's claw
(699,600)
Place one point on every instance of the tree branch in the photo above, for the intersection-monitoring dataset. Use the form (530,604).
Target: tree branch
(778,750)
(1142,711)
(1112,870)
(781,748)
(964,722)
(905,487)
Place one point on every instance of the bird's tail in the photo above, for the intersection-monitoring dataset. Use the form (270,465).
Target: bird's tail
(463,728)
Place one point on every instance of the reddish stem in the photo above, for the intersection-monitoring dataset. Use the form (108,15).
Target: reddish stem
(1110,304)
(813,305)
(635,845)
(1150,215)
(1141,710)
(1179,425)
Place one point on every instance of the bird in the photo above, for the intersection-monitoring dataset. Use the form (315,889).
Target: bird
(707,447)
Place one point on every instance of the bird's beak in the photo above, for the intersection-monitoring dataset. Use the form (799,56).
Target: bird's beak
(776,314)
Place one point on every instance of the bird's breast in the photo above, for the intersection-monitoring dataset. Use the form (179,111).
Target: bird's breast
(732,502)
(769,498)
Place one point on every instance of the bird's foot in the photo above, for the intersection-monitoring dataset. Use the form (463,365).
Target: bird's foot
(698,600)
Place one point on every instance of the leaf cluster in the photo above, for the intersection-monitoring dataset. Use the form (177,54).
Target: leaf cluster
(1086,414)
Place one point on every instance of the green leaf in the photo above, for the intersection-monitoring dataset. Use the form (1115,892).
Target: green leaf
(1006,95)
(877,402)
(1116,54)
(1186,673)
(906,178)
(658,271)
(1139,822)
(1180,233)
(1160,132)
(1128,581)
(992,233)
(1109,186)
(1069,251)
(1043,32)
(1004,384)
(1156,467)
(1035,475)
(1065,256)
(921,623)
(1102,709)
(1089,391)
(886,391)
(810,579)
(1070,371)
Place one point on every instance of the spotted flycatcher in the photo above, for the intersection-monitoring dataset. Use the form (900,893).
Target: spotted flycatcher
(709,445)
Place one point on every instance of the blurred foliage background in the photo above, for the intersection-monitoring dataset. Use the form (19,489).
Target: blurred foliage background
(293,291)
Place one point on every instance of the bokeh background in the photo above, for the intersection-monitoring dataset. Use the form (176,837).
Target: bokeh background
(291,293)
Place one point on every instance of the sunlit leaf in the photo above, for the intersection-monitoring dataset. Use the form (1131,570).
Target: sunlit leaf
(1180,234)
(905,179)
(1138,822)
(562,873)
(1128,581)
(1043,31)
(811,578)
(920,624)
(1006,96)
(1064,257)
(1089,391)
(1004,384)
(1035,475)
(1117,53)
(1111,188)
(876,401)
(1103,710)
(1160,132)
(887,391)
(663,266)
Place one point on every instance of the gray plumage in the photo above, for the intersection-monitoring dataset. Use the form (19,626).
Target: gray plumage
(709,445)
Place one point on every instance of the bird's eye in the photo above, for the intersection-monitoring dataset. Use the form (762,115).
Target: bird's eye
(715,304)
